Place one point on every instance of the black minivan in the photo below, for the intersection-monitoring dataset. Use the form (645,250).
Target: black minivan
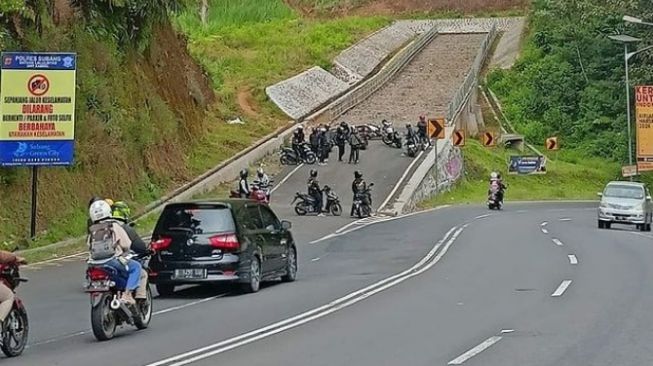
(234,240)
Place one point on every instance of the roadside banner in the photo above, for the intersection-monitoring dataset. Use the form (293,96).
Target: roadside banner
(629,171)
(644,129)
(37,105)
(531,164)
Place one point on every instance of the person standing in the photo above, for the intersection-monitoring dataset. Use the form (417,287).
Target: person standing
(313,140)
(421,130)
(323,146)
(355,144)
(341,139)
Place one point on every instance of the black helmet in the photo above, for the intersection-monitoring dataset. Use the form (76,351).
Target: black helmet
(243,173)
(408,125)
(343,124)
(358,175)
(313,173)
(94,199)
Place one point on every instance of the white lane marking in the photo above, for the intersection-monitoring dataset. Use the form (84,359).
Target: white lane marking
(345,227)
(192,303)
(564,219)
(315,259)
(505,331)
(545,231)
(544,223)
(572,259)
(286,177)
(475,351)
(557,242)
(420,267)
(160,312)
(76,255)
(561,289)
(482,216)
(322,239)
(400,181)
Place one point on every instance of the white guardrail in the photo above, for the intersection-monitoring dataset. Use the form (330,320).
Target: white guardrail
(471,80)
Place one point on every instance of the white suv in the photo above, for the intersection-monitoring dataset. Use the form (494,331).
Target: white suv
(625,203)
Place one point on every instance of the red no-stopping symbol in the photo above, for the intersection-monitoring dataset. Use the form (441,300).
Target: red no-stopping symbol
(38,85)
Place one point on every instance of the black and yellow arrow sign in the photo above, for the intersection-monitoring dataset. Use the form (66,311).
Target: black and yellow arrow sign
(488,139)
(459,138)
(436,128)
(552,143)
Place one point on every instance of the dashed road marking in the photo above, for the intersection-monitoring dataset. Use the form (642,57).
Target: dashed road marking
(572,259)
(475,351)
(557,242)
(561,289)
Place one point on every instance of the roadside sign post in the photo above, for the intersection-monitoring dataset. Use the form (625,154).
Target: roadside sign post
(488,139)
(37,105)
(436,132)
(644,128)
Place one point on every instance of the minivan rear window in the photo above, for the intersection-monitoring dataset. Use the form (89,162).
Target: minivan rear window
(198,219)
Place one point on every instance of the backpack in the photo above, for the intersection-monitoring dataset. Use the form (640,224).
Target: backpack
(102,241)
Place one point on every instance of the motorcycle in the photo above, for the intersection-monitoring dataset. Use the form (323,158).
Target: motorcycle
(396,140)
(105,284)
(388,135)
(411,148)
(493,200)
(255,194)
(359,207)
(265,188)
(14,336)
(288,156)
(306,203)
(333,202)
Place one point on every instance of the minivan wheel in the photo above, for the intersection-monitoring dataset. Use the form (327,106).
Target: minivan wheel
(165,290)
(254,282)
(291,266)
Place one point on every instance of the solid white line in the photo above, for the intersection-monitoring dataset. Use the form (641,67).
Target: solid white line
(557,242)
(572,259)
(286,177)
(544,223)
(475,351)
(545,231)
(565,219)
(305,317)
(322,239)
(315,259)
(344,227)
(482,216)
(562,288)
(400,181)
(76,255)
(173,308)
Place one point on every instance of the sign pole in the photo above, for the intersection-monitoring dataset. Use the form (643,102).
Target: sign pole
(35,183)
(435,164)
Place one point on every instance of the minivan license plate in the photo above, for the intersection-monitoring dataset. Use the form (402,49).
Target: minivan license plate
(191,273)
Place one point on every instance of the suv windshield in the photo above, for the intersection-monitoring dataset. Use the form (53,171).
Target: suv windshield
(623,191)
(197,219)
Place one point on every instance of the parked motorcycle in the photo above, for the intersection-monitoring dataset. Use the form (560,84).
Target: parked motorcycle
(105,285)
(14,336)
(388,135)
(411,148)
(288,156)
(255,194)
(333,202)
(306,203)
(359,207)
(493,200)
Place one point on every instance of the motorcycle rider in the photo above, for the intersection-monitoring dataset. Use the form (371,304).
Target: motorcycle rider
(315,191)
(100,214)
(355,143)
(121,212)
(264,181)
(300,133)
(411,136)
(359,187)
(298,141)
(496,178)
(421,130)
(341,139)
(6,294)
(243,186)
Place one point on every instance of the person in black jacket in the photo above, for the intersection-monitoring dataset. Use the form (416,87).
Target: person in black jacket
(341,139)
(313,140)
(315,191)
(359,187)
(323,146)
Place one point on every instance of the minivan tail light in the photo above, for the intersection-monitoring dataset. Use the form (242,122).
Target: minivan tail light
(161,243)
(225,242)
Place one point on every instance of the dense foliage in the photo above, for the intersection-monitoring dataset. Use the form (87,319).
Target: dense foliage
(570,80)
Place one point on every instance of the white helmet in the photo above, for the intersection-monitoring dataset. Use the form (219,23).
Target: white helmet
(99,210)
(494,175)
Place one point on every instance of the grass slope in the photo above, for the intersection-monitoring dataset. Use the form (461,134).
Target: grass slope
(568,177)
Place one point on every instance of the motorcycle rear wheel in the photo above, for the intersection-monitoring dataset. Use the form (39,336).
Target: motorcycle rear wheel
(386,140)
(283,159)
(103,319)
(336,209)
(18,331)
(142,319)
(311,158)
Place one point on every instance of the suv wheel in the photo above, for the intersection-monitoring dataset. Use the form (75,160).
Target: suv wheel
(291,266)
(254,282)
(165,290)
